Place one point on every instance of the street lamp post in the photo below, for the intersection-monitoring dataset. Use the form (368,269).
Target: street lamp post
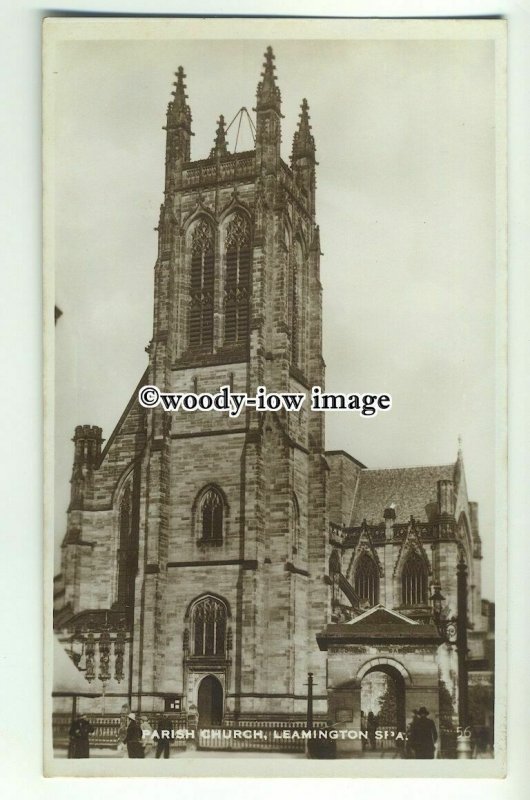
(309,700)
(453,630)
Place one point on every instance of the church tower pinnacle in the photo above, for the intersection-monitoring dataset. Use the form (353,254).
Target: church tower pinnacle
(303,156)
(268,117)
(178,128)
(220,147)
(303,140)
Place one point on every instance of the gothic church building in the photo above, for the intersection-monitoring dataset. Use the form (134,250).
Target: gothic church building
(209,562)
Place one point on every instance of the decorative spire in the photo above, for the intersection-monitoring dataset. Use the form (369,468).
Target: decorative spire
(220,148)
(303,140)
(179,133)
(180,87)
(268,94)
(315,245)
(178,111)
(459,466)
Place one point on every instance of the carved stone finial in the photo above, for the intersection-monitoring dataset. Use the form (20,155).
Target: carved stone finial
(303,140)
(268,93)
(220,146)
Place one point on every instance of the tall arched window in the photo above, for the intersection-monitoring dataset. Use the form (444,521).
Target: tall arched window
(366,582)
(202,286)
(237,285)
(294,322)
(414,581)
(123,548)
(334,574)
(297,305)
(295,524)
(211,509)
(209,627)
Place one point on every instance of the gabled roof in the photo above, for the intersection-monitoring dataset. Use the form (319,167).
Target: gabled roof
(409,490)
(379,615)
(378,625)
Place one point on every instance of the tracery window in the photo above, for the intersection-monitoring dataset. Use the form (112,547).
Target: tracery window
(366,582)
(414,580)
(334,574)
(297,306)
(202,286)
(295,524)
(211,516)
(209,627)
(293,311)
(123,547)
(237,285)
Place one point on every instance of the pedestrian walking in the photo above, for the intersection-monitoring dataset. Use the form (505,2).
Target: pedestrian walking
(133,738)
(80,730)
(371,727)
(147,735)
(164,729)
(122,731)
(424,735)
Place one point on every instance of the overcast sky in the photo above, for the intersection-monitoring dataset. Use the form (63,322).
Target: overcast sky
(405,137)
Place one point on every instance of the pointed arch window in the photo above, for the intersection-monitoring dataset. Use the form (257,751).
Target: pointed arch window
(125,515)
(211,513)
(293,309)
(209,627)
(414,581)
(237,284)
(334,574)
(366,582)
(296,305)
(295,524)
(202,286)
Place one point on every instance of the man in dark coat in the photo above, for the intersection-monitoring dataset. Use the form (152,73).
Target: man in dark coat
(80,729)
(371,727)
(133,738)
(164,730)
(424,735)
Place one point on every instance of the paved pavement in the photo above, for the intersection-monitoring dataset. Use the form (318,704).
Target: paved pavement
(108,752)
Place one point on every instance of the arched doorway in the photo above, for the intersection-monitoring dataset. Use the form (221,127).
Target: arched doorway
(210,702)
(383,705)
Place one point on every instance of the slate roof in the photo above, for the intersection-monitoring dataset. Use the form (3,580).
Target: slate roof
(412,490)
(379,615)
(378,625)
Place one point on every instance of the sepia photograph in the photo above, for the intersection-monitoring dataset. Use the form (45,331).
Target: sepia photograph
(275,294)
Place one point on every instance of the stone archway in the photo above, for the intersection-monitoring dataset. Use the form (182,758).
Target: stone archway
(395,695)
(210,702)
(379,641)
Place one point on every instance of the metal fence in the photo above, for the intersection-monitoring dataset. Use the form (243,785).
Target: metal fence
(388,740)
(256,736)
(107,727)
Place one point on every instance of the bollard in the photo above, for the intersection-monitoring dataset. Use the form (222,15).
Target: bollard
(463,748)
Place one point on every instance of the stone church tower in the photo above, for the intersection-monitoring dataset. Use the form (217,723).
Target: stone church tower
(207,534)
(211,562)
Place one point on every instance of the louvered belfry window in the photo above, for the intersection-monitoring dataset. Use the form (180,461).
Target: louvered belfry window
(212,517)
(237,285)
(367,580)
(209,627)
(202,286)
(414,580)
